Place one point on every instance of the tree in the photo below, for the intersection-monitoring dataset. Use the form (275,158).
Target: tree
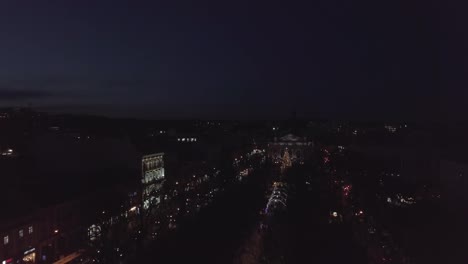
(286,161)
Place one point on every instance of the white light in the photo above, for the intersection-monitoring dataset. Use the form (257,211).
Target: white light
(335,214)
(133,208)
(29,251)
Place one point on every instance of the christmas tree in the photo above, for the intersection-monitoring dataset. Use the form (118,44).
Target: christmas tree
(286,162)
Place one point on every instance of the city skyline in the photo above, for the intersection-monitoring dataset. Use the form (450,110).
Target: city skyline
(244,132)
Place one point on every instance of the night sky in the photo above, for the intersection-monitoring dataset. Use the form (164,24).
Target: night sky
(227,59)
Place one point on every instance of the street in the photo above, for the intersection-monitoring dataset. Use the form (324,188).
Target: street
(228,231)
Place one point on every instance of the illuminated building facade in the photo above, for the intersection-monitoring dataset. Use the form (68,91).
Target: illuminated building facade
(152,179)
(18,243)
(289,150)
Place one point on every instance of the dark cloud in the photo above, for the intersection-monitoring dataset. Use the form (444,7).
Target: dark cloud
(18,95)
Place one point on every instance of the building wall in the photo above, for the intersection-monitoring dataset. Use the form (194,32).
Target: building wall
(57,230)
(16,244)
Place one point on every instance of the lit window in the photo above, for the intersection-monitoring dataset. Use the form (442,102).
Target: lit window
(21,233)
(5,240)
(30,230)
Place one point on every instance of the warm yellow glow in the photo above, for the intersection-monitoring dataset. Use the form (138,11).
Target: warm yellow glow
(30,258)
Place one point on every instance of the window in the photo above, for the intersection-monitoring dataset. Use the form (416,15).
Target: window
(5,240)
(21,233)
(30,230)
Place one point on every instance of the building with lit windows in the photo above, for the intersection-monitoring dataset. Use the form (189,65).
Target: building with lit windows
(187,139)
(152,167)
(19,239)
